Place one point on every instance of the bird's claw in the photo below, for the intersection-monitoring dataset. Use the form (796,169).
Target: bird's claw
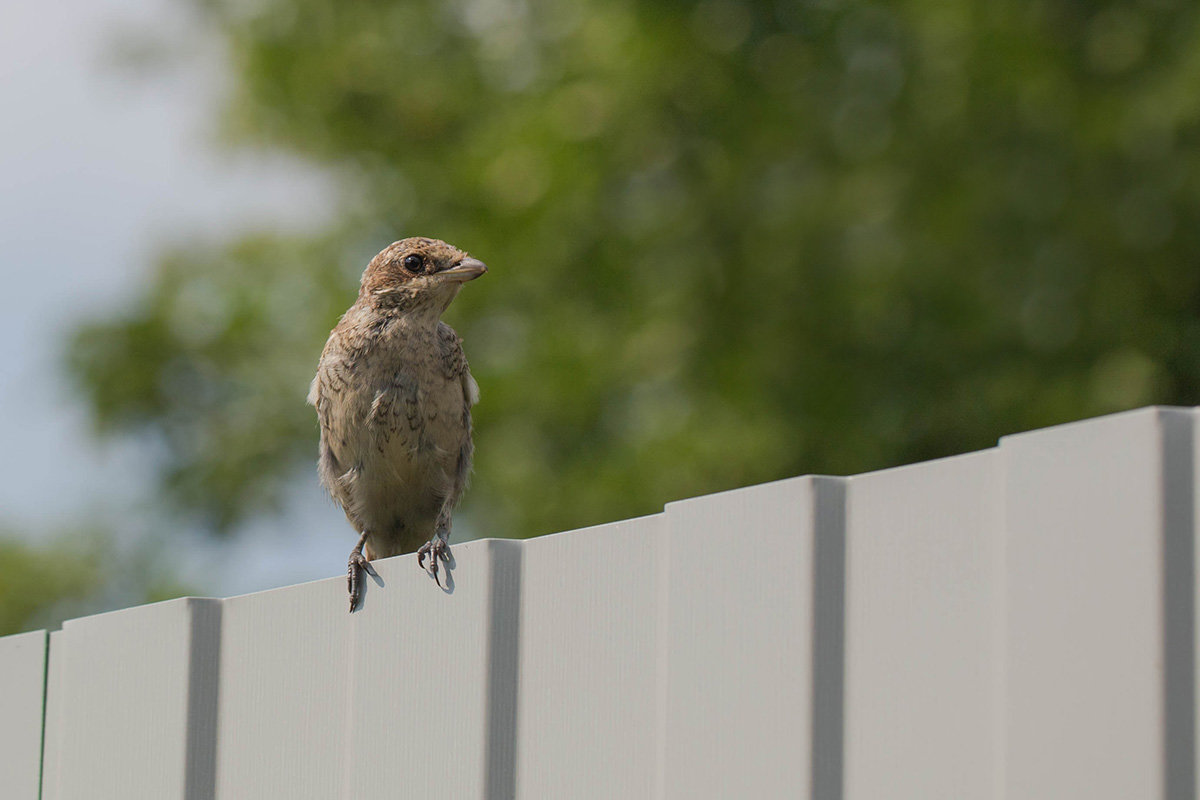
(436,548)
(354,570)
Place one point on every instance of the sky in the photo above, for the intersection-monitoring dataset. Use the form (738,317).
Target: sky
(101,165)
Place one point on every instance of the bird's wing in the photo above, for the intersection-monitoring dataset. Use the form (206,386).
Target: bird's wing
(454,362)
(327,394)
(466,453)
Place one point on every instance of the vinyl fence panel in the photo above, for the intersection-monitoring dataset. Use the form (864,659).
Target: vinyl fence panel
(741,619)
(22,694)
(1016,623)
(132,695)
(923,630)
(1100,657)
(397,697)
(606,581)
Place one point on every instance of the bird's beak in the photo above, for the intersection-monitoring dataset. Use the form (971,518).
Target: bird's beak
(466,270)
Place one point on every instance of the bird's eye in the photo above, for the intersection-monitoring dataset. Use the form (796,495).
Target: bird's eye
(412,263)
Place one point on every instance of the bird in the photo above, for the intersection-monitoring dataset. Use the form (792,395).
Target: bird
(393,396)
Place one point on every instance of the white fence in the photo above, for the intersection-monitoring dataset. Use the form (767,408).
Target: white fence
(1013,623)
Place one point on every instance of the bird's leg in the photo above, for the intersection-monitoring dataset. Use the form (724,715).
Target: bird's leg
(354,569)
(437,547)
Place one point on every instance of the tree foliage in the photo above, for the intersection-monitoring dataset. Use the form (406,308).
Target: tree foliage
(729,241)
(35,583)
(76,572)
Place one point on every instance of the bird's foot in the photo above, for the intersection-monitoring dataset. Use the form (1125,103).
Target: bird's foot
(436,548)
(355,567)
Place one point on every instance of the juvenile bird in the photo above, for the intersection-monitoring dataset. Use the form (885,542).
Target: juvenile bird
(393,396)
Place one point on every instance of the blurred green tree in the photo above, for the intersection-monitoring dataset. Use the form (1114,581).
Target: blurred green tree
(729,241)
(36,584)
(75,572)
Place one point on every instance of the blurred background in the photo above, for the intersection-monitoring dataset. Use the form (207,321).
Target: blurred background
(729,242)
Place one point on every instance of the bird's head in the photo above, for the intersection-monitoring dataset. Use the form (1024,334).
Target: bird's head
(418,274)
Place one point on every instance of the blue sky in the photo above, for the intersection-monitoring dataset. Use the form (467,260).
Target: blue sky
(101,165)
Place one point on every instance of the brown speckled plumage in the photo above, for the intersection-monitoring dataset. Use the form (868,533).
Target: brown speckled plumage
(393,396)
